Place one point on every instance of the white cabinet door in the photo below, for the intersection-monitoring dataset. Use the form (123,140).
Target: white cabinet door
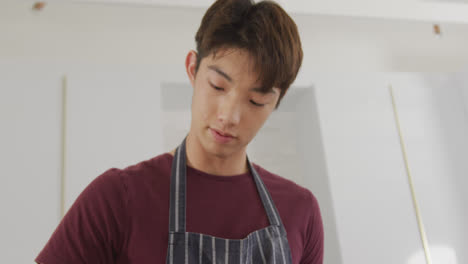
(114,120)
(374,213)
(375,217)
(435,128)
(30,115)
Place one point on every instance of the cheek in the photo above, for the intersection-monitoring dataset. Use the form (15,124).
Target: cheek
(203,104)
(254,122)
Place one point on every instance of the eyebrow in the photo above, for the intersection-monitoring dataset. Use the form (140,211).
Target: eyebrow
(227,77)
(260,90)
(220,72)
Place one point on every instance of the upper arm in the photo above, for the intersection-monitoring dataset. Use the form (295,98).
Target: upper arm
(92,229)
(314,244)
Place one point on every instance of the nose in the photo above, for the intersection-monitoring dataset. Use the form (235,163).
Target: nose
(229,111)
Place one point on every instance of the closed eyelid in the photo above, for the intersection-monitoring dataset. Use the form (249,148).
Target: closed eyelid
(256,103)
(216,85)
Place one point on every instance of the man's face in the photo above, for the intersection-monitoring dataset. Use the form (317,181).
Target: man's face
(228,108)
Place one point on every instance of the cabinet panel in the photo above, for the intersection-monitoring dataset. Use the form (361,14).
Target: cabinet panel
(30,114)
(114,120)
(435,129)
(372,202)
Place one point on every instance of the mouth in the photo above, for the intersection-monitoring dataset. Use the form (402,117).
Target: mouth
(221,133)
(221,137)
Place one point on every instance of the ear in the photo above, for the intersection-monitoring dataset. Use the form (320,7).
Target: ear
(190,65)
(277,97)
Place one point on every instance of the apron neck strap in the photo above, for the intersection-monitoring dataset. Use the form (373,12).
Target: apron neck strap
(178,196)
(177,216)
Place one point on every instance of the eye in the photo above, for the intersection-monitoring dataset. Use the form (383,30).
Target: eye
(256,104)
(216,87)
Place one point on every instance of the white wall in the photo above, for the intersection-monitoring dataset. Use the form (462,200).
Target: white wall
(462,79)
(443,11)
(99,34)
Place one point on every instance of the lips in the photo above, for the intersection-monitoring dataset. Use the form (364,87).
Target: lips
(221,137)
(224,134)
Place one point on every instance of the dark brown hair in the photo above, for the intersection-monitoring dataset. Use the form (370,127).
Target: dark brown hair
(263,29)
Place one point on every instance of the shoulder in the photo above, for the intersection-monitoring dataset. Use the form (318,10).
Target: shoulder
(115,181)
(147,170)
(287,190)
(159,162)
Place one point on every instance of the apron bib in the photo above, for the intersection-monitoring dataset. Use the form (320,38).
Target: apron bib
(267,245)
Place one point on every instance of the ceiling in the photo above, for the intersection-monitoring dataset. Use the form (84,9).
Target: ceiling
(449,1)
(450,11)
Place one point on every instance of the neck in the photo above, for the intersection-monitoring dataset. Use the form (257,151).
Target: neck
(200,159)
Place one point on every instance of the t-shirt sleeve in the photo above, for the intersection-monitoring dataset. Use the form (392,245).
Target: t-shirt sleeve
(93,229)
(314,248)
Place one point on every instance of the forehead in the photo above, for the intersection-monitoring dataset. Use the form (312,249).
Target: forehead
(237,64)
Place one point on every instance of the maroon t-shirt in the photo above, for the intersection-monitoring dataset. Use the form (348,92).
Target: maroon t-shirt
(122,216)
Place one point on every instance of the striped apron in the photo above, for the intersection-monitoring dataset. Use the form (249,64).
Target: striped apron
(266,245)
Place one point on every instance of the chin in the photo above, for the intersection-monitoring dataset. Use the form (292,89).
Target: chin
(217,150)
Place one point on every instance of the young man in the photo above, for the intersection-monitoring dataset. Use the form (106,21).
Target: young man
(205,202)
